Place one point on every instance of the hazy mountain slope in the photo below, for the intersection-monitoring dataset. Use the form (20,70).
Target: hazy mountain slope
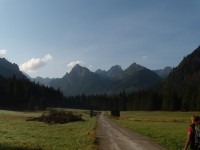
(42,81)
(79,81)
(8,69)
(163,73)
(137,77)
(114,73)
(82,81)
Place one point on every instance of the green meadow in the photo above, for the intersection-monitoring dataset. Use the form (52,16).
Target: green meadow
(18,134)
(168,129)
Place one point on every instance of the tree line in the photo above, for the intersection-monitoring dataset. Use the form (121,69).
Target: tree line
(21,94)
(166,99)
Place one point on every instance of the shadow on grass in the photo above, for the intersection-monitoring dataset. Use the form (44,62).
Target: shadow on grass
(7,147)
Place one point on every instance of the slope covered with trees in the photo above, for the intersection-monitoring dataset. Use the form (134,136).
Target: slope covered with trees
(182,88)
(179,91)
(21,94)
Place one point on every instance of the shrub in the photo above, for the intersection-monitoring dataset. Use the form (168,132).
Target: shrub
(58,116)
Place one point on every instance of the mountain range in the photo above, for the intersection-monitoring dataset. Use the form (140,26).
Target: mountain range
(179,90)
(80,80)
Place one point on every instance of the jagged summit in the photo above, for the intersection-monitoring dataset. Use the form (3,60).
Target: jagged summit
(79,70)
(115,68)
(133,68)
(115,72)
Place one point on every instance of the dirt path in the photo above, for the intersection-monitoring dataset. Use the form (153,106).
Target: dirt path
(113,137)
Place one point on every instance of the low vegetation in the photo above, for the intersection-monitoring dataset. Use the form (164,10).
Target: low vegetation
(19,134)
(58,116)
(168,129)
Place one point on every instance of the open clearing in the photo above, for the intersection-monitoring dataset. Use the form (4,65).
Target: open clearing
(19,134)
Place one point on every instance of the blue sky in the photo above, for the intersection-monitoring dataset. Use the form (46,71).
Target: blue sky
(47,37)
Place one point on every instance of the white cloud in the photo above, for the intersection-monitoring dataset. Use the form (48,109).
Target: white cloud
(32,65)
(73,63)
(2,53)
(47,58)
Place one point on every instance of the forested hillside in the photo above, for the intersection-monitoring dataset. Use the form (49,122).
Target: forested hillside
(7,69)
(21,94)
(179,91)
(182,88)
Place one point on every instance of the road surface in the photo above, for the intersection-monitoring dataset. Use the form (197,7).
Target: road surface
(112,137)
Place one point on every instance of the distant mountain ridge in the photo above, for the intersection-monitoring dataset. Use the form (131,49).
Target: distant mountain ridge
(80,80)
(42,81)
(163,72)
(180,90)
(115,72)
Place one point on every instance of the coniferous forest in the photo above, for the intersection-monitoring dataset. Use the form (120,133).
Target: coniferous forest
(21,94)
(179,91)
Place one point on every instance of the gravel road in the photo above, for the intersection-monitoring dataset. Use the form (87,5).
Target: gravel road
(112,137)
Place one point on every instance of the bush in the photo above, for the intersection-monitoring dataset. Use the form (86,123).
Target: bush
(58,116)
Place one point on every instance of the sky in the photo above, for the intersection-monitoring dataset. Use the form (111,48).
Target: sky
(47,38)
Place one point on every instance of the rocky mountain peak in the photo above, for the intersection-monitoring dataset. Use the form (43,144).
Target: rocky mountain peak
(115,68)
(80,71)
(133,68)
(115,72)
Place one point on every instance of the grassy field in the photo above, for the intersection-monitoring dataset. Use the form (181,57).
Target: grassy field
(18,134)
(168,129)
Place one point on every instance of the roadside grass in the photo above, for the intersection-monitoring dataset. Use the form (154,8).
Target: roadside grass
(19,134)
(168,129)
